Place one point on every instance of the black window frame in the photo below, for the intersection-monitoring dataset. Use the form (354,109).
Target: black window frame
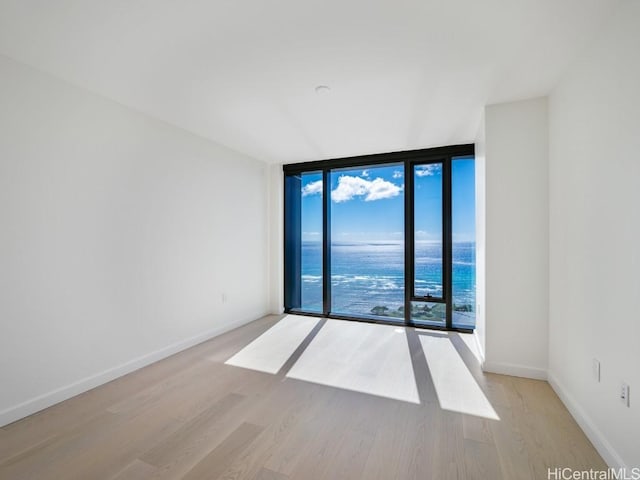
(410,159)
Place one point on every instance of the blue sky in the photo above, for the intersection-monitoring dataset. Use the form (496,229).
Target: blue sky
(368,203)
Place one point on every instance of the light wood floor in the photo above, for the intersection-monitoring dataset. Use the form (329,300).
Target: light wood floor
(192,416)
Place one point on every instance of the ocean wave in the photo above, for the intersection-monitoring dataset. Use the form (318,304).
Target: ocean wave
(370,244)
(388,286)
(427,260)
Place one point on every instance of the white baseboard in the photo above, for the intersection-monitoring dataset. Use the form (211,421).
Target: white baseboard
(601,444)
(58,395)
(515,370)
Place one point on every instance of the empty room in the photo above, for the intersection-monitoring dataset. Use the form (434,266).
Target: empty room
(299,240)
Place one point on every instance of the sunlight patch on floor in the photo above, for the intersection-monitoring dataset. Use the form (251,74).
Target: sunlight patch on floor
(362,357)
(455,387)
(270,351)
(472,344)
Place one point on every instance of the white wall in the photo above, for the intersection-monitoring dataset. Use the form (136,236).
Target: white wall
(119,236)
(516,255)
(276,239)
(481,212)
(595,237)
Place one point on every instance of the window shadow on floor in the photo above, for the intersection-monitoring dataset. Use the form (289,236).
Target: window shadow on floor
(401,363)
(446,369)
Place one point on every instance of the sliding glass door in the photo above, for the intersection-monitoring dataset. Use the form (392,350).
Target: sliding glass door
(388,238)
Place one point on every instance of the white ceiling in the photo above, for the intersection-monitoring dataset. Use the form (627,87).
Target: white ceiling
(404,74)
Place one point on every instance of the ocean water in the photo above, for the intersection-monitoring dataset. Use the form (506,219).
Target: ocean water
(370,275)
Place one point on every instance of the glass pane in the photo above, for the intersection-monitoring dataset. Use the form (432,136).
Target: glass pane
(428,230)
(463,218)
(429,313)
(312,242)
(303,242)
(367,242)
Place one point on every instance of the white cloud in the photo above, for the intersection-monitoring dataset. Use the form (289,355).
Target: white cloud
(397,174)
(380,189)
(365,173)
(428,170)
(312,188)
(350,187)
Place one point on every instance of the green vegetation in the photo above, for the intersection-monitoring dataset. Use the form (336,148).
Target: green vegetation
(420,311)
(380,310)
(463,308)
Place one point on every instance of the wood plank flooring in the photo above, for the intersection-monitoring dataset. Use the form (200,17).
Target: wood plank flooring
(192,416)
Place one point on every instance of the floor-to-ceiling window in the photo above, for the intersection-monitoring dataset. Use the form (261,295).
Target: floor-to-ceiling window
(427,237)
(367,241)
(386,237)
(303,242)
(463,227)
